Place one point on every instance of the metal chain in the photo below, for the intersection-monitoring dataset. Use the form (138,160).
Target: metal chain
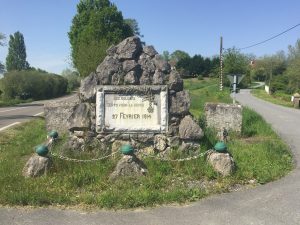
(51,142)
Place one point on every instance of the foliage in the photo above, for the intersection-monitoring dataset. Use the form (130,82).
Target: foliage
(16,57)
(166,55)
(2,38)
(96,26)
(178,55)
(235,62)
(198,65)
(72,78)
(32,84)
(133,24)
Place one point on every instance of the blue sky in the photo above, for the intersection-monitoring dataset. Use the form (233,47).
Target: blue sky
(194,26)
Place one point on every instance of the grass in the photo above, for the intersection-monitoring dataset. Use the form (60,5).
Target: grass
(278,98)
(258,152)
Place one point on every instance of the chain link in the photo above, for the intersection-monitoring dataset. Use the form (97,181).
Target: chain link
(52,141)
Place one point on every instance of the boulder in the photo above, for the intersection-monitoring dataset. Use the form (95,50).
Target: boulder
(37,166)
(107,69)
(111,51)
(129,165)
(147,65)
(87,90)
(180,103)
(161,64)
(158,77)
(150,51)
(173,141)
(145,78)
(175,82)
(80,118)
(57,114)
(160,142)
(222,163)
(129,65)
(189,129)
(130,48)
(189,145)
(117,79)
(130,78)
(116,146)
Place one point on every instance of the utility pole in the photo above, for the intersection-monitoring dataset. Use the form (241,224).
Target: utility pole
(221,63)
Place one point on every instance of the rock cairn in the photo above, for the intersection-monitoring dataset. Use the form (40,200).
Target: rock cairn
(129,63)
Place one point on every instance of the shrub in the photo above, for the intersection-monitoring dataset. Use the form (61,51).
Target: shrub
(33,84)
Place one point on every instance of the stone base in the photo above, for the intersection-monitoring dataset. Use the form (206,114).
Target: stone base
(129,165)
(37,166)
(221,162)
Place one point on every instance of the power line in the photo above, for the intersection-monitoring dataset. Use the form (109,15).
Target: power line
(275,36)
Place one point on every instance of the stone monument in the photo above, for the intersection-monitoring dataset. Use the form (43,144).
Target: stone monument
(133,96)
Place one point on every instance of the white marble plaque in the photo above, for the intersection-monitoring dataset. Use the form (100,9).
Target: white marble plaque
(120,110)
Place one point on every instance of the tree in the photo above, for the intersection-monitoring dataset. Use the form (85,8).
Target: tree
(72,77)
(166,55)
(179,55)
(2,38)
(293,67)
(97,25)
(16,57)
(235,62)
(133,24)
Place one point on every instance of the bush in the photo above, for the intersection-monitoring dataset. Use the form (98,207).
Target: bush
(33,84)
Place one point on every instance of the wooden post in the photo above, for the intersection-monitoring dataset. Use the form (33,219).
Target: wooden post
(221,63)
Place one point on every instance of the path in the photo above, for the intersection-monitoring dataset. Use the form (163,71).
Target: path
(10,116)
(274,203)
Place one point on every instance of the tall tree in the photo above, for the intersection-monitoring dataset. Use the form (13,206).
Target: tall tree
(16,57)
(97,25)
(235,62)
(2,38)
(133,24)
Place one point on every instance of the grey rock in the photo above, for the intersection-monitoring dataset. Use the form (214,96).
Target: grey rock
(130,48)
(129,165)
(130,78)
(117,79)
(161,64)
(144,138)
(111,51)
(180,103)
(87,90)
(147,65)
(174,141)
(158,77)
(80,118)
(222,163)
(173,129)
(160,142)
(150,51)
(189,146)
(37,166)
(57,115)
(107,69)
(75,143)
(78,133)
(145,78)
(175,82)
(189,129)
(129,65)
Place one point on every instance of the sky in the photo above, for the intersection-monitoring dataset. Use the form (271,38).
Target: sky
(194,26)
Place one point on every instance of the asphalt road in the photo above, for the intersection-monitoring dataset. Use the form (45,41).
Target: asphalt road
(274,203)
(10,116)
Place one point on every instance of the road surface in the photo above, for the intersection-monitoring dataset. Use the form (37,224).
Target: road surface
(274,203)
(10,116)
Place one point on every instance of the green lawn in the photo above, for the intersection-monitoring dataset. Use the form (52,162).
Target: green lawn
(278,98)
(258,152)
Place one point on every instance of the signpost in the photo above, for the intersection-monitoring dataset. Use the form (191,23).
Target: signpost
(235,79)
